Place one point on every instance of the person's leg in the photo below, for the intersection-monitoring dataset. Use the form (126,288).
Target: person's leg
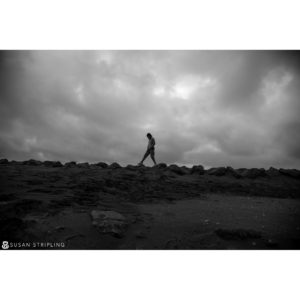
(145,156)
(152,155)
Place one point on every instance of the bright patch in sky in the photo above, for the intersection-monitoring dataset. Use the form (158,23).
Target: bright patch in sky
(159,91)
(79,94)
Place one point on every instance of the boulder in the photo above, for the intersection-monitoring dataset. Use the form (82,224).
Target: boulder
(177,170)
(142,167)
(253,173)
(70,164)
(221,171)
(3,161)
(131,167)
(232,172)
(272,172)
(57,164)
(290,172)
(48,163)
(83,165)
(109,222)
(32,162)
(197,170)
(103,165)
(53,164)
(161,166)
(185,169)
(16,163)
(115,165)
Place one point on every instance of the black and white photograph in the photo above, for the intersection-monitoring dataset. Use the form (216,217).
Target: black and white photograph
(150,149)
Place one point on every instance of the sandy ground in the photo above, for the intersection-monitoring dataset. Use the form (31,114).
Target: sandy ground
(159,208)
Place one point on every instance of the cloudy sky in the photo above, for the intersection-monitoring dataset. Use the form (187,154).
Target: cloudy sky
(215,108)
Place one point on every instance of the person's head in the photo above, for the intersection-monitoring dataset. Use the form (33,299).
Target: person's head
(149,135)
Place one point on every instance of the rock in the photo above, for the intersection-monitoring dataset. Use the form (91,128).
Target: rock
(48,163)
(16,163)
(177,170)
(221,171)
(3,161)
(253,173)
(57,164)
(241,171)
(83,165)
(59,228)
(185,169)
(272,172)
(52,164)
(109,222)
(32,162)
(161,166)
(290,172)
(232,172)
(236,234)
(103,165)
(115,165)
(197,170)
(141,165)
(131,167)
(70,164)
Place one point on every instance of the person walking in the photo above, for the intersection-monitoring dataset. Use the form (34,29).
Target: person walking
(150,149)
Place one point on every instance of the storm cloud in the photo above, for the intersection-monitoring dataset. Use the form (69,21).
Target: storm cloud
(216,108)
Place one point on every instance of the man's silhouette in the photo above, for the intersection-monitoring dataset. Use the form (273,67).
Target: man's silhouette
(150,149)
